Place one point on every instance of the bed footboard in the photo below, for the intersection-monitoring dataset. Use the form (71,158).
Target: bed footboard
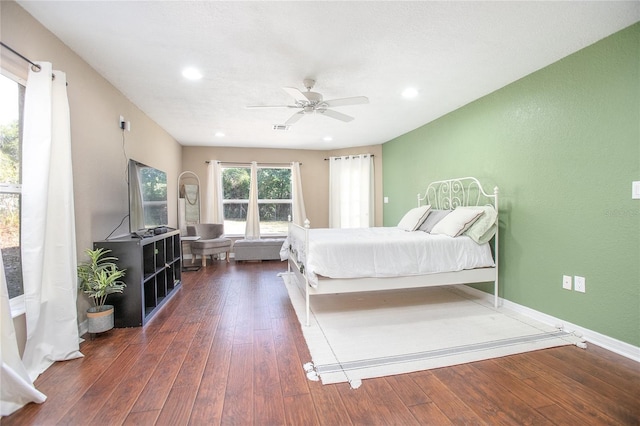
(299,235)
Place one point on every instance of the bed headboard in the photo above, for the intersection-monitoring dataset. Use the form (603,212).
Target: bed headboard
(468,191)
(452,193)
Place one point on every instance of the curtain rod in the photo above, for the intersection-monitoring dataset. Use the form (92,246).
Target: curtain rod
(349,156)
(35,67)
(249,163)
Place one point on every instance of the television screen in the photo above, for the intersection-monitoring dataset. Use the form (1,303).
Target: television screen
(147,197)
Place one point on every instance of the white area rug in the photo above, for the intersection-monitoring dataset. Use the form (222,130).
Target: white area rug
(356,336)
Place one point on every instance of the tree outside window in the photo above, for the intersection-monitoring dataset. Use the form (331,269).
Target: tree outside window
(11,102)
(274,199)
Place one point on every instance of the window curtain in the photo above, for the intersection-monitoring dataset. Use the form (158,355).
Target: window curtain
(213,212)
(351,191)
(299,212)
(17,387)
(49,259)
(252,230)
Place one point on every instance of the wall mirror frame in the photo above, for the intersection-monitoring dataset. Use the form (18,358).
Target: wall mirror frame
(189,198)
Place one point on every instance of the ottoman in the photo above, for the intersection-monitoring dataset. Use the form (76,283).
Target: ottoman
(260,249)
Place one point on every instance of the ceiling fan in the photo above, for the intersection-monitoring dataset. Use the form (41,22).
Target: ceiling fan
(312,102)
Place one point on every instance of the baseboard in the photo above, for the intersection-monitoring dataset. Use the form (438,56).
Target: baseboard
(621,348)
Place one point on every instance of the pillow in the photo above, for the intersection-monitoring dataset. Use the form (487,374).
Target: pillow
(414,218)
(434,217)
(483,229)
(456,222)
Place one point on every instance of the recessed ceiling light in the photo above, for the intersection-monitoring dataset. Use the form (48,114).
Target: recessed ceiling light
(191,74)
(219,135)
(409,93)
(327,139)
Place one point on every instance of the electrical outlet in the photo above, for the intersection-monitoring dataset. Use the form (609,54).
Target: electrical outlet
(124,125)
(566,282)
(581,284)
(635,190)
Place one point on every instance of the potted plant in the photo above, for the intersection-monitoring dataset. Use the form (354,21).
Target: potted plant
(100,277)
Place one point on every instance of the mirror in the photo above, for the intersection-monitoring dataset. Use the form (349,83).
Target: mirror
(188,200)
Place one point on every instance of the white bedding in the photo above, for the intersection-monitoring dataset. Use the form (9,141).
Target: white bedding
(384,252)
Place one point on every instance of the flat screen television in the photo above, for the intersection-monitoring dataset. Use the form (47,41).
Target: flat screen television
(147,197)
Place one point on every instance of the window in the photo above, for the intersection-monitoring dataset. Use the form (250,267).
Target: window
(274,199)
(11,103)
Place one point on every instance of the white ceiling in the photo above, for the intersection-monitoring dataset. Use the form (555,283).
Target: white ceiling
(452,52)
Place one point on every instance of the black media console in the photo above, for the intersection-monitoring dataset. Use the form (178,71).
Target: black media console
(153,267)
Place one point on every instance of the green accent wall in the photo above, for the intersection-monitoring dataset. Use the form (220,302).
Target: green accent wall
(563,145)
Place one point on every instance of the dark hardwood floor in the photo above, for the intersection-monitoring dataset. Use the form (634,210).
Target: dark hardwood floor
(228,349)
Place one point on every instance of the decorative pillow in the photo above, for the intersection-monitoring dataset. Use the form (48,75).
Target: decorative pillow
(434,217)
(456,222)
(483,229)
(414,218)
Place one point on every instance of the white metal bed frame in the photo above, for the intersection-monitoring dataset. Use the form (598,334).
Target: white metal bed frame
(443,194)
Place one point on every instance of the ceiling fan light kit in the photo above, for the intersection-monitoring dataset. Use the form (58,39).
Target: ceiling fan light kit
(312,102)
(281,127)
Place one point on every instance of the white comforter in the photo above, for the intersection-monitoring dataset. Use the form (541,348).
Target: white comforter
(384,252)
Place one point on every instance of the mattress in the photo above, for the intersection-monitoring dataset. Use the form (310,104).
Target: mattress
(384,252)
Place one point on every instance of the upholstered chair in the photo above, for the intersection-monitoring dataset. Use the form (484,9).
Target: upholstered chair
(212,241)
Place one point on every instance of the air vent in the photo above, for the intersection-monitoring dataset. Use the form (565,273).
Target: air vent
(282,127)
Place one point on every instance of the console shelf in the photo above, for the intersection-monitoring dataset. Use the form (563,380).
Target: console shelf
(153,268)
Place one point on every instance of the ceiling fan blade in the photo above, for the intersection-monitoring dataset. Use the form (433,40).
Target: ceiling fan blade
(335,114)
(271,106)
(295,94)
(356,100)
(294,118)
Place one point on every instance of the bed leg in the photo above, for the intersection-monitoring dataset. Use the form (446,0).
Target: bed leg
(307,297)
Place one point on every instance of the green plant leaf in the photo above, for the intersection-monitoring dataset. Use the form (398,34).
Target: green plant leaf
(100,276)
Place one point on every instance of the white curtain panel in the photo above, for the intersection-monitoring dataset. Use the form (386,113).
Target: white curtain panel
(351,191)
(213,207)
(17,387)
(299,212)
(48,242)
(252,230)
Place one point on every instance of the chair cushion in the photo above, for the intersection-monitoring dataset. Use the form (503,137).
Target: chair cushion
(211,244)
